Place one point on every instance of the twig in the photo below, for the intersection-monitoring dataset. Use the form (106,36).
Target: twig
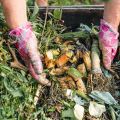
(36,98)
(15,63)
(45,22)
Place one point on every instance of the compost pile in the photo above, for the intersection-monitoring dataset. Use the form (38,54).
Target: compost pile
(81,87)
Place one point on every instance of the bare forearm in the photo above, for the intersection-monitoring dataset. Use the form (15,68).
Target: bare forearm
(43,3)
(112,13)
(15,12)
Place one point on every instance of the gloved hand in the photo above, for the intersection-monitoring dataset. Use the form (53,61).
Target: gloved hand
(108,41)
(27,48)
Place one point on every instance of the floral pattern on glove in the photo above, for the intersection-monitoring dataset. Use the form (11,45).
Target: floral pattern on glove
(108,41)
(27,48)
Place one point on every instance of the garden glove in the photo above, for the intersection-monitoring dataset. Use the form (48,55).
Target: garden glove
(108,41)
(27,48)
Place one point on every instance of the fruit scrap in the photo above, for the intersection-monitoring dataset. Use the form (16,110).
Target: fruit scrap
(63,59)
(49,61)
(55,52)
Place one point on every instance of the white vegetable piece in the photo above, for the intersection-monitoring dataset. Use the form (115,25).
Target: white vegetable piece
(96,109)
(78,112)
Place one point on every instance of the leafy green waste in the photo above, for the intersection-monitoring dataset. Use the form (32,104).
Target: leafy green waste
(104,97)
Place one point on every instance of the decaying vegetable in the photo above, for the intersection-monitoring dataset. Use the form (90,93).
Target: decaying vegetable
(79,54)
(87,60)
(63,84)
(77,78)
(67,82)
(49,61)
(55,51)
(58,40)
(59,71)
(63,59)
(99,80)
(80,85)
(82,69)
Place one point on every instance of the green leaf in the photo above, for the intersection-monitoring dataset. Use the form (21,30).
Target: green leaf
(35,12)
(104,97)
(68,114)
(57,14)
(15,93)
(72,35)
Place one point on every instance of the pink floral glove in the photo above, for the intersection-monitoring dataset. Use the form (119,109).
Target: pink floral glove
(27,48)
(108,40)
